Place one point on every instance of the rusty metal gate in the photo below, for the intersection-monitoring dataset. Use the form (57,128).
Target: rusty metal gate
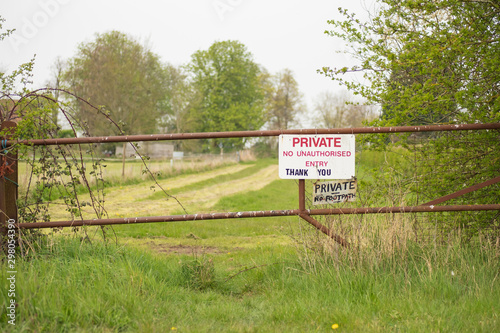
(9,179)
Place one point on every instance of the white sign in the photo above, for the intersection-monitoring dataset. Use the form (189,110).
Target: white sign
(334,191)
(329,156)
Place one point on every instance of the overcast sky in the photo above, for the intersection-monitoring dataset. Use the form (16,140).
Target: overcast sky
(279,33)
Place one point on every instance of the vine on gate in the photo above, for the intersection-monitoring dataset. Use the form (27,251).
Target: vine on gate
(67,175)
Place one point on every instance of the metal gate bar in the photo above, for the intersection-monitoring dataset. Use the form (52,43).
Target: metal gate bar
(247,134)
(260,213)
(305,215)
(301,212)
(462,192)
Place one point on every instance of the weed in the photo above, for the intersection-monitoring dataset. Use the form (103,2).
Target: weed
(199,272)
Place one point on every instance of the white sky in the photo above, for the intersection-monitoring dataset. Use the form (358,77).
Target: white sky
(279,33)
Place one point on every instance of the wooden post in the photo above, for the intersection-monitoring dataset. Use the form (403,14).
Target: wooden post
(8,182)
(123,159)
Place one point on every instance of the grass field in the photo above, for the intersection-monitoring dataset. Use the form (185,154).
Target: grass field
(251,275)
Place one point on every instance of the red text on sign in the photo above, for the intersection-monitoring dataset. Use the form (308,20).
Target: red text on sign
(316,163)
(316,142)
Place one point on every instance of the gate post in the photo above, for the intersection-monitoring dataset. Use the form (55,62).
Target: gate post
(8,182)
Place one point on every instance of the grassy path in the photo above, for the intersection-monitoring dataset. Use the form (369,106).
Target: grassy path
(197,192)
(199,200)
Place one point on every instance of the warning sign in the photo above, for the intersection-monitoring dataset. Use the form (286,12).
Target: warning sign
(334,191)
(316,156)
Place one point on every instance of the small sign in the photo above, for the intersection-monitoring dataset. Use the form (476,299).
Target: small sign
(334,191)
(329,156)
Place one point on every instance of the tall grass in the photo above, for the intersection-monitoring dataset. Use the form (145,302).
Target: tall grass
(406,283)
(388,244)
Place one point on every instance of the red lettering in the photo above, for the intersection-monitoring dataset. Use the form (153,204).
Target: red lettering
(336,142)
(316,142)
(310,164)
(322,143)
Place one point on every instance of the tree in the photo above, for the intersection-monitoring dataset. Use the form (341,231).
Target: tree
(434,61)
(124,77)
(53,172)
(338,111)
(284,101)
(423,57)
(229,96)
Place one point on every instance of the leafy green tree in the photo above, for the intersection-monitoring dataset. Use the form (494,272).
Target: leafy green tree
(124,77)
(432,62)
(419,57)
(229,96)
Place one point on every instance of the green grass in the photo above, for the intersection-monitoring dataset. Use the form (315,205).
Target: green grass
(258,275)
(98,288)
(280,194)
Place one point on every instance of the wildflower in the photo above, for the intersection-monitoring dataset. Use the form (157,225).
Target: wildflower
(174,328)
(335,326)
